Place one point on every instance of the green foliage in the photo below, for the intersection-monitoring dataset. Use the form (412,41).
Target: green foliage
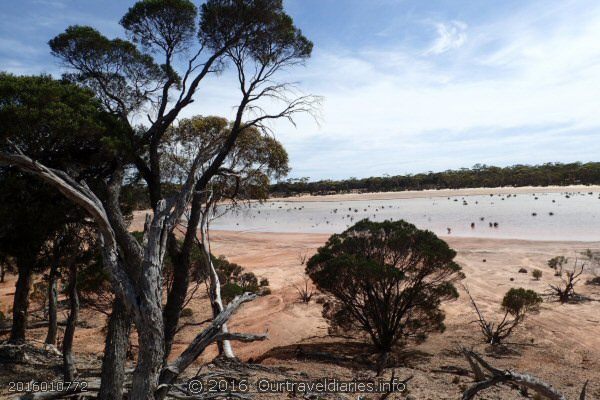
(169,25)
(62,126)
(93,280)
(518,302)
(235,282)
(388,279)
(115,69)
(261,27)
(478,176)
(557,262)
(230,290)
(537,274)
(187,313)
(54,122)
(255,159)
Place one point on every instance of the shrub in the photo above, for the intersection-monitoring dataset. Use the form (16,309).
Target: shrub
(234,281)
(187,312)
(388,279)
(519,302)
(230,290)
(522,271)
(305,292)
(537,274)
(594,281)
(557,262)
(516,304)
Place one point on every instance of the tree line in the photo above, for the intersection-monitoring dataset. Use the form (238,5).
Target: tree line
(555,174)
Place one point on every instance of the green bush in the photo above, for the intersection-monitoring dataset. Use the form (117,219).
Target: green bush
(187,313)
(537,274)
(230,290)
(518,302)
(388,280)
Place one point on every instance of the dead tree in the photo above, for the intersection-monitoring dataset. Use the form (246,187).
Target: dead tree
(497,376)
(565,291)
(216,301)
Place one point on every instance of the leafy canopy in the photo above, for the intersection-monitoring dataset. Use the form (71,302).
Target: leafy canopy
(169,25)
(246,172)
(388,279)
(60,125)
(518,302)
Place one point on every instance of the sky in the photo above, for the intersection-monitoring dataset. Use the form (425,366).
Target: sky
(407,85)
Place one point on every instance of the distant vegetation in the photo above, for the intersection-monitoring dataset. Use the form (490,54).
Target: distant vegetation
(478,176)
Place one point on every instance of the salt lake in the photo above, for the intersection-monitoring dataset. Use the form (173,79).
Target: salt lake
(532,216)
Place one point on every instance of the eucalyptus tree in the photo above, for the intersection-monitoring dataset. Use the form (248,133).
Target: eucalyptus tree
(258,39)
(144,78)
(245,174)
(60,125)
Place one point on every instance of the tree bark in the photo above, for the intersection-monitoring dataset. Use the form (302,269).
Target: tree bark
(150,328)
(21,300)
(68,362)
(225,348)
(170,373)
(177,295)
(52,305)
(148,317)
(115,353)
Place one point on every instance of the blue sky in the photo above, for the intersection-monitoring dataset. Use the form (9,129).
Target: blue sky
(408,86)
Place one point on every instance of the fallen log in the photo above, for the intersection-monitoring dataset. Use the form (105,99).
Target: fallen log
(208,336)
(498,376)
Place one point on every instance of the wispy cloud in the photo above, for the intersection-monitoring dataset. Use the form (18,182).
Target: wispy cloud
(444,87)
(451,35)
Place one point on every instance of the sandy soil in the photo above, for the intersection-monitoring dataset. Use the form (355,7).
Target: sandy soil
(561,344)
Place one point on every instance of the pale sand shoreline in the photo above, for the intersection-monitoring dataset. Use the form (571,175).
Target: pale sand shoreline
(414,194)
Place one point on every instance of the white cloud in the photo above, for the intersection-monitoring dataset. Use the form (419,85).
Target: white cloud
(451,35)
(524,89)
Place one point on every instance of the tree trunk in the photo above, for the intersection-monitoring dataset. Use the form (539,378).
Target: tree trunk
(181,270)
(149,322)
(68,362)
(225,348)
(2,272)
(177,294)
(52,305)
(115,353)
(21,300)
